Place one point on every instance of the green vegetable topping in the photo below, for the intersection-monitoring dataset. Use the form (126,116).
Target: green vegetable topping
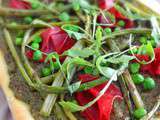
(149,83)
(137,78)
(18,41)
(35,45)
(153,43)
(37,39)
(76,5)
(28,19)
(108,30)
(134,67)
(46,71)
(133,50)
(56,65)
(139,113)
(143,40)
(37,55)
(64,16)
(35,5)
(121,23)
(88,70)
(117,29)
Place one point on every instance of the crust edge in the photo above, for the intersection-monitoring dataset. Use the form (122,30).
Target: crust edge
(19,109)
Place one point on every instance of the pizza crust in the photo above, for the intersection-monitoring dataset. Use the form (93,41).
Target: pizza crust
(19,109)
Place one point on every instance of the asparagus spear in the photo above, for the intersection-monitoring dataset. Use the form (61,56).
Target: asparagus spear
(59,79)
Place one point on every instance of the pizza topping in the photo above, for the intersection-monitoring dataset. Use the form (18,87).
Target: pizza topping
(19,4)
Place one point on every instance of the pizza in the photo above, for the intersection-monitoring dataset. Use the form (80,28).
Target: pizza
(81,59)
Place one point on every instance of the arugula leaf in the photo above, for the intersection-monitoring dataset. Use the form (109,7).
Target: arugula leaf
(74,31)
(84,53)
(74,87)
(121,61)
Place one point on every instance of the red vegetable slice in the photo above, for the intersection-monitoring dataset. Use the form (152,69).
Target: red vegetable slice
(19,4)
(108,4)
(102,108)
(152,68)
(105,4)
(54,40)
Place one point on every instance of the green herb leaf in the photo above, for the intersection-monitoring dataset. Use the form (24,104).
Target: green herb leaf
(71,106)
(84,53)
(74,87)
(120,60)
(74,31)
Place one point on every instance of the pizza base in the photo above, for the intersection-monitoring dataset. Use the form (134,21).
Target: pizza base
(19,109)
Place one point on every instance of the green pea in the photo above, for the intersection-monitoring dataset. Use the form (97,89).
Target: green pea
(134,67)
(139,113)
(108,30)
(143,40)
(64,16)
(117,29)
(46,71)
(37,39)
(149,83)
(18,41)
(121,23)
(37,55)
(28,19)
(137,78)
(88,70)
(35,5)
(35,45)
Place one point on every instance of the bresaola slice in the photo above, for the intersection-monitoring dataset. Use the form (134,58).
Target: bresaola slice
(108,5)
(19,4)
(53,40)
(102,108)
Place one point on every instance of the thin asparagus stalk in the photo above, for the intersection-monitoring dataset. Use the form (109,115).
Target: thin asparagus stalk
(59,79)
(133,90)
(60,115)
(69,114)
(25,26)
(22,13)
(128,31)
(129,82)
(126,95)
(40,87)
